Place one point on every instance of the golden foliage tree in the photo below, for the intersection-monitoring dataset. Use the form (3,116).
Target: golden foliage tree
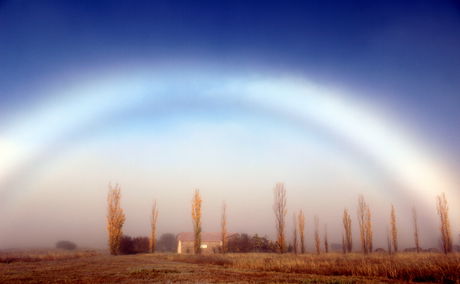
(369,233)
(394,229)
(346,220)
(317,238)
(295,242)
(115,218)
(416,235)
(365,225)
(223,228)
(301,224)
(153,227)
(196,219)
(280,209)
(443,211)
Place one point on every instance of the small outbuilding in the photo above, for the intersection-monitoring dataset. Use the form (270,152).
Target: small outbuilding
(210,243)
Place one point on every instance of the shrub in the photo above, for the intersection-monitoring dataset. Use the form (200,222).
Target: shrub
(67,245)
(141,245)
(126,245)
(245,243)
(129,245)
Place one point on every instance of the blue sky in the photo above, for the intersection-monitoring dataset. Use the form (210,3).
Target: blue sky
(226,92)
(403,54)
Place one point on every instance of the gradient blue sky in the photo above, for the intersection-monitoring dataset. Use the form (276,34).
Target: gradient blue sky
(403,53)
(400,58)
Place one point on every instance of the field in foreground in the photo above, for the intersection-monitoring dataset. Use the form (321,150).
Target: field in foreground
(90,267)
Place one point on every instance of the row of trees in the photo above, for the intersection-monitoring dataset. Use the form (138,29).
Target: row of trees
(364,224)
(242,243)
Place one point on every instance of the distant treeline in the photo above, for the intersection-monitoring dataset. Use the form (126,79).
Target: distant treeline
(118,243)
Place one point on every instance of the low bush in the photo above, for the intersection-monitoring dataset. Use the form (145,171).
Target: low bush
(129,245)
(67,245)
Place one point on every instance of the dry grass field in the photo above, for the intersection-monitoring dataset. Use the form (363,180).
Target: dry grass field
(94,267)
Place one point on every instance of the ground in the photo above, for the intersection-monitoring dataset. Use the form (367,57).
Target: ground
(169,268)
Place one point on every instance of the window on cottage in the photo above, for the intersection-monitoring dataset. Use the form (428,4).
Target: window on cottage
(204,246)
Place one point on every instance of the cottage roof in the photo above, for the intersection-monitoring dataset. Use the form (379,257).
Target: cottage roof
(205,237)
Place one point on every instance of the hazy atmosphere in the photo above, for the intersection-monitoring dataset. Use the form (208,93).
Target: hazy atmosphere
(229,97)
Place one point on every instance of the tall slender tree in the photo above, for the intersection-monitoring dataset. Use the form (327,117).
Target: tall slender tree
(346,219)
(416,235)
(295,244)
(369,233)
(326,242)
(223,228)
(443,211)
(394,229)
(115,218)
(196,218)
(365,225)
(153,227)
(301,223)
(390,249)
(317,238)
(280,209)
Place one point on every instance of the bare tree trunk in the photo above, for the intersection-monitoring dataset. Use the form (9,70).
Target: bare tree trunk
(302,231)
(347,228)
(394,229)
(416,236)
(223,228)
(196,218)
(443,211)
(326,242)
(317,238)
(295,244)
(115,218)
(344,246)
(153,224)
(280,209)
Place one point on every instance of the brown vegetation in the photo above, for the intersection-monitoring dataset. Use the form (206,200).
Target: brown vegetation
(365,225)
(394,229)
(196,218)
(423,267)
(326,242)
(347,238)
(223,228)
(389,244)
(416,236)
(317,238)
(295,244)
(115,218)
(91,267)
(301,223)
(245,243)
(153,227)
(38,255)
(443,211)
(129,245)
(67,245)
(280,209)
